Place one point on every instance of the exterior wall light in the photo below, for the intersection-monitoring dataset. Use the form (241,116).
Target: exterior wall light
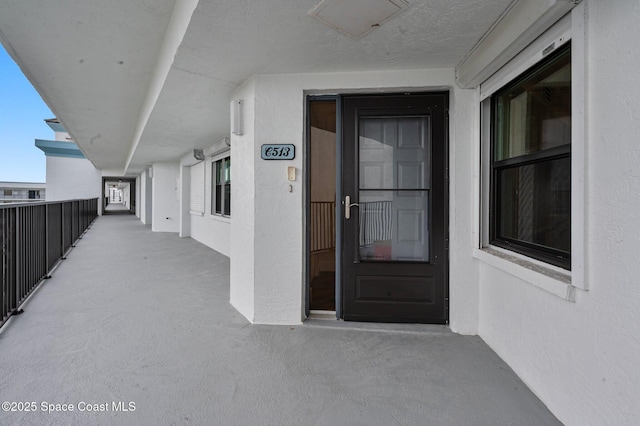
(236,113)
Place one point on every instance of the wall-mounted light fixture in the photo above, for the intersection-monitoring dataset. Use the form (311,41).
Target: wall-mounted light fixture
(236,114)
(198,154)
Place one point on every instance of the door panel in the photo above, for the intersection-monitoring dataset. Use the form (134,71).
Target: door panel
(394,171)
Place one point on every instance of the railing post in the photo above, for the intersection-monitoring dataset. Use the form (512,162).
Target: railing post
(62,227)
(3,270)
(17,258)
(47,242)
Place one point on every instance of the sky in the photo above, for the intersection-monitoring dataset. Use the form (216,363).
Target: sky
(22,115)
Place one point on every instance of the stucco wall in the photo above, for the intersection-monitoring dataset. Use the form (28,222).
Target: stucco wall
(184,201)
(72,178)
(145,207)
(278,246)
(126,194)
(138,198)
(243,207)
(165,210)
(581,358)
(214,231)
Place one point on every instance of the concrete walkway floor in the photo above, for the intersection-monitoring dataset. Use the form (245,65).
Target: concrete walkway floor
(116,208)
(140,321)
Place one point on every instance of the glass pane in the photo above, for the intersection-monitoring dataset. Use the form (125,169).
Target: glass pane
(535,113)
(535,203)
(218,199)
(227,170)
(213,187)
(219,172)
(394,153)
(394,226)
(227,199)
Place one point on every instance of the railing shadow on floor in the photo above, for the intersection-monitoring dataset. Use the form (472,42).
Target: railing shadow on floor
(34,237)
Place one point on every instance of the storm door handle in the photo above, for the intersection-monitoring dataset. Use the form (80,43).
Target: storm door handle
(347,207)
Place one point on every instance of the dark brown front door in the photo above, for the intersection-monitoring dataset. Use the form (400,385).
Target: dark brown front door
(395,208)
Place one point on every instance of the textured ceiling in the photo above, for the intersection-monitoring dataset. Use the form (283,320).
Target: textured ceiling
(80,57)
(92,61)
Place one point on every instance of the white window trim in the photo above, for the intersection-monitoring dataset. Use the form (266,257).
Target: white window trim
(554,280)
(209,187)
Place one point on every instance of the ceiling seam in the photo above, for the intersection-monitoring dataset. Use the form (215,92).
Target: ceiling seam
(176,30)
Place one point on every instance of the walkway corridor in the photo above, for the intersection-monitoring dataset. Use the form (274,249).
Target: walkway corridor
(116,208)
(143,318)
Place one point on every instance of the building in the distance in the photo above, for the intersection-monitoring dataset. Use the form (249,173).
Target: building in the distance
(70,175)
(22,192)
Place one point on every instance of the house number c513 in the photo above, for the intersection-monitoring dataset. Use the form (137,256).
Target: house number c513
(278,152)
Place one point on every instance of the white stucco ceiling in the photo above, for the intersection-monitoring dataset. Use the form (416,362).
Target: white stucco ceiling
(93,61)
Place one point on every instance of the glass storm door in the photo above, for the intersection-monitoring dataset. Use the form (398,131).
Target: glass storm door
(395,208)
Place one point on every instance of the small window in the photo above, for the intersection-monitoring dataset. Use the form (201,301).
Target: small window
(531,162)
(8,192)
(32,195)
(221,184)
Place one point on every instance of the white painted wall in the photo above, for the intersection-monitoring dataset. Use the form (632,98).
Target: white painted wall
(275,105)
(185,198)
(72,178)
(212,230)
(138,200)
(243,207)
(126,194)
(146,199)
(62,136)
(581,358)
(165,201)
(196,218)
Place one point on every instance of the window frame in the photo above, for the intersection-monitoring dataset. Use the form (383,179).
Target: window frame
(222,161)
(552,279)
(545,254)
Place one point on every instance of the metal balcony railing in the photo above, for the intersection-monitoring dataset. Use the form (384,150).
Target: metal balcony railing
(323,226)
(33,238)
